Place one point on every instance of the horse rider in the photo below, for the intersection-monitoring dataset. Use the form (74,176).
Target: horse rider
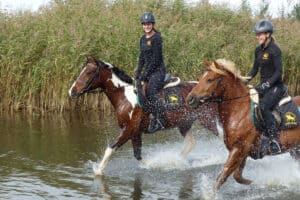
(151,69)
(271,88)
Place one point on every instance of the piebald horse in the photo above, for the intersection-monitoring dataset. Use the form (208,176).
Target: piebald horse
(132,120)
(222,83)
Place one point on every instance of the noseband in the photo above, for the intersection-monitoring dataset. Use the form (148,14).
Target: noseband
(221,99)
(89,84)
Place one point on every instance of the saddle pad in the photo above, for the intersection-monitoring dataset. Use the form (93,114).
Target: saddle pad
(290,115)
(172,98)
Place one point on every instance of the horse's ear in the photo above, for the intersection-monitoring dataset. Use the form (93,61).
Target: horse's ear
(216,64)
(207,63)
(90,59)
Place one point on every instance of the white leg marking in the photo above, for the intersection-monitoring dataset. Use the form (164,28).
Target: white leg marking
(104,161)
(189,141)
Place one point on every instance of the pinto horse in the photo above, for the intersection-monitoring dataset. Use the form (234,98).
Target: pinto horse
(222,83)
(132,120)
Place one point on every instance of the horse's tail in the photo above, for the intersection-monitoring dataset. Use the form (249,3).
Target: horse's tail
(142,100)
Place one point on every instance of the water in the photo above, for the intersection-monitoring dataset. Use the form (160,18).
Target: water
(52,157)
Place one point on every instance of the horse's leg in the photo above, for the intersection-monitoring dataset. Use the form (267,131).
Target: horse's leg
(235,159)
(238,174)
(295,153)
(123,138)
(108,152)
(189,139)
(137,146)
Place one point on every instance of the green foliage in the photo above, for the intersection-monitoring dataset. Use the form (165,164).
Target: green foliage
(296,11)
(41,53)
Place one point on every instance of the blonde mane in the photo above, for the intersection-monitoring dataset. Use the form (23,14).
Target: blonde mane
(228,66)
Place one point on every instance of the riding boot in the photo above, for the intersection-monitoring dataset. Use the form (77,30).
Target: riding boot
(157,122)
(157,118)
(274,140)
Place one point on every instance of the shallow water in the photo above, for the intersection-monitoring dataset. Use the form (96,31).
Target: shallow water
(52,157)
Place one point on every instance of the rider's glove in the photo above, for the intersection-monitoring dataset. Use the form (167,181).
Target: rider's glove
(261,88)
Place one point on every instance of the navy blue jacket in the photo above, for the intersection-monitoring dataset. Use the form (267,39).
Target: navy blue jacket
(268,59)
(151,58)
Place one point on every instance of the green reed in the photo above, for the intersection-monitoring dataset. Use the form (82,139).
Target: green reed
(42,53)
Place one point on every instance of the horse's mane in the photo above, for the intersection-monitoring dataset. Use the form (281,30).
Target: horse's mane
(229,66)
(117,71)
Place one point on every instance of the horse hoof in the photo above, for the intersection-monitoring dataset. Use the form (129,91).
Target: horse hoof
(97,171)
(245,182)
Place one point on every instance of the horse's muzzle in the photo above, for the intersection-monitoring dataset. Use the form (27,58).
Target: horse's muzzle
(73,93)
(192,101)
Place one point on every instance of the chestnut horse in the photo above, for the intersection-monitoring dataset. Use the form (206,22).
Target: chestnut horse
(132,120)
(222,83)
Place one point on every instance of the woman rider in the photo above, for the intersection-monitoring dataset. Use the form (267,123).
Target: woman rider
(271,88)
(151,69)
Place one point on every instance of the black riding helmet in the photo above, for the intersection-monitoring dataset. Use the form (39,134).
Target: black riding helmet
(263,26)
(147,17)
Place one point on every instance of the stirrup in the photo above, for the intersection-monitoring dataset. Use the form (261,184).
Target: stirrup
(275,147)
(154,125)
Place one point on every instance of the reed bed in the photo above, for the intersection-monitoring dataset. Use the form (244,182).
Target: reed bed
(43,52)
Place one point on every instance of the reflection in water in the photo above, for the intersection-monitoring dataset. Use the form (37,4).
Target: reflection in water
(103,187)
(105,190)
(137,193)
(186,190)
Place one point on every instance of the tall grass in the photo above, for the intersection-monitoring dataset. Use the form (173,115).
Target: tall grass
(41,53)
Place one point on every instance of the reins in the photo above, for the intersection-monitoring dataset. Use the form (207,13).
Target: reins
(97,90)
(220,100)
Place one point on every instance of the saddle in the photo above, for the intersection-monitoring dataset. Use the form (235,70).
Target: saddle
(170,95)
(286,112)
(171,81)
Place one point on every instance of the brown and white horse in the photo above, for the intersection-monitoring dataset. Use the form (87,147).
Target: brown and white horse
(222,82)
(132,120)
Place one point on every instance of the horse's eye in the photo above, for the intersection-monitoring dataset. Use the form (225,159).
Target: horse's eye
(210,80)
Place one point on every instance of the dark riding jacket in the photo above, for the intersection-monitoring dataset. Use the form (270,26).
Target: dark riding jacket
(268,59)
(151,58)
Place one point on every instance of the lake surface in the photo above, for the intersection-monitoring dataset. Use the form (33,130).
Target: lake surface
(52,157)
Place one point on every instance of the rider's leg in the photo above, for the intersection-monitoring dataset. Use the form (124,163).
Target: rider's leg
(157,119)
(267,103)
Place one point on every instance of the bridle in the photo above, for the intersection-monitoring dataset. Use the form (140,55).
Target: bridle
(89,84)
(220,98)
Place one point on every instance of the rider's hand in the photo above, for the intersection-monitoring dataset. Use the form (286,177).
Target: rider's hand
(261,88)
(143,77)
(247,79)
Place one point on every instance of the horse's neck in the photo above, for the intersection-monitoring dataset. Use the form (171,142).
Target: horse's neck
(122,98)
(113,95)
(235,104)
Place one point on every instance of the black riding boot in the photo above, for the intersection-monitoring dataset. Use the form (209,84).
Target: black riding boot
(274,140)
(157,122)
(157,118)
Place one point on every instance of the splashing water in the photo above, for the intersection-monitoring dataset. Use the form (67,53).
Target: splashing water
(270,172)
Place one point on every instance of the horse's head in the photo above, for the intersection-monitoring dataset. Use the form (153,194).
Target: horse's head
(88,78)
(97,74)
(212,83)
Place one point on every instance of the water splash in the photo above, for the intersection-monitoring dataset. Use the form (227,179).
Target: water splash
(167,156)
(274,171)
(270,172)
